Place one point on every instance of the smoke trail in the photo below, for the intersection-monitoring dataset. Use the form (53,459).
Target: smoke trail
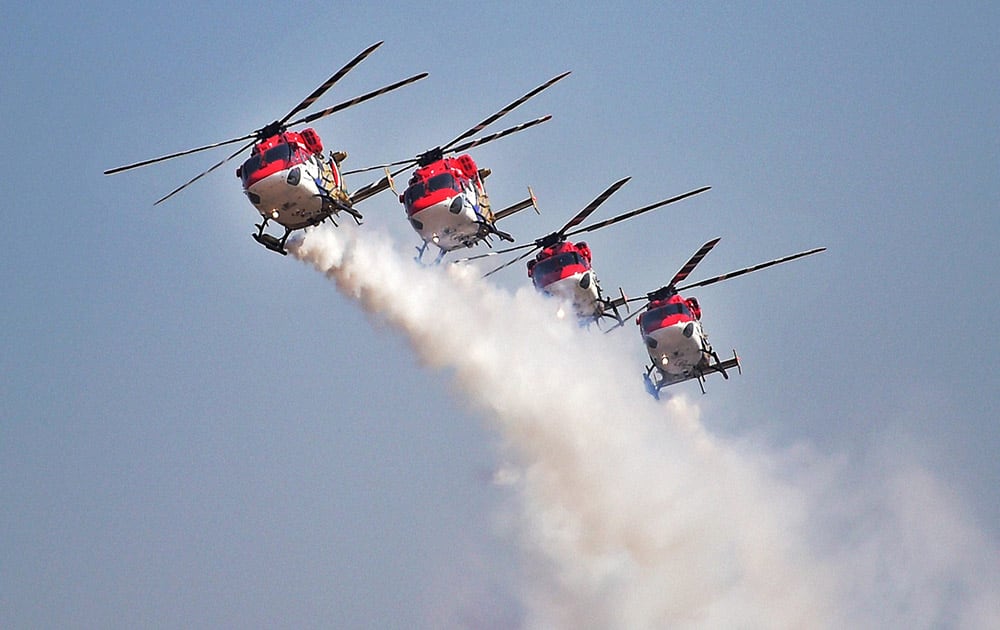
(632,515)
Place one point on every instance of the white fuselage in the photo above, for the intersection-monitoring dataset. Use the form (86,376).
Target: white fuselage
(291,197)
(677,349)
(449,224)
(581,290)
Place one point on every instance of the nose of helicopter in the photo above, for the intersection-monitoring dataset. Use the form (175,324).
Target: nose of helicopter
(449,223)
(432,219)
(452,205)
(579,289)
(289,197)
(674,348)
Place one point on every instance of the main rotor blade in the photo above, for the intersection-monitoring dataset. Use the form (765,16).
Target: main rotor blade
(496,136)
(638,211)
(563,232)
(178,154)
(689,266)
(587,211)
(451,146)
(378,167)
(740,272)
(498,252)
(203,173)
(337,76)
(309,100)
(405,166)
(354,101)
(685,271)
(503,112)
(510,262)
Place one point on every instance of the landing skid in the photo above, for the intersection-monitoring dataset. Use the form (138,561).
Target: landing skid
(504,236)
(334,206)
(654,384)
(354,214)
(276,244)
(419,258)
(653,389)
(273,243)
(487,228)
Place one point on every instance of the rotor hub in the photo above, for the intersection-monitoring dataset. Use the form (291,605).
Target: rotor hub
(662,293)
(270,130)
(429,157)
(550,240)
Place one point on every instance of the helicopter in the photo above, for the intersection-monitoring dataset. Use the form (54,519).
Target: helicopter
(671,327)
(564,269)
(445,199)
(286,177)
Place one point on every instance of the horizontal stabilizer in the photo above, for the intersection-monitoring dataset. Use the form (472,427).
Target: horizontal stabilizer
(665,380)
(517,207)
(728,364)
(372,189)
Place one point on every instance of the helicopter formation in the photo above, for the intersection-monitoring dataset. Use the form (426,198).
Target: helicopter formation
(670,324)
(289,180)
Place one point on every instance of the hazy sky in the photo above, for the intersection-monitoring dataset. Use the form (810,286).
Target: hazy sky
(197,432)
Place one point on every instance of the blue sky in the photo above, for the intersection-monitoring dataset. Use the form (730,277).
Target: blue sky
(197,432)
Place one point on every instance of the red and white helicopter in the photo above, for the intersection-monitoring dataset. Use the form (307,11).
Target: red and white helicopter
(563,269)
(445,200)
(286,177)
(671,327)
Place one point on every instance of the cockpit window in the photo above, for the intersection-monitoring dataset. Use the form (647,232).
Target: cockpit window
(556,263)
(414,192)
(279,153)
(660,313)
(549,270)
(444,181)
(250,166)
(441,182)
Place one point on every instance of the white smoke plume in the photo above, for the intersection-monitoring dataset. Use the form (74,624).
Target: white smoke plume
(631,514)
